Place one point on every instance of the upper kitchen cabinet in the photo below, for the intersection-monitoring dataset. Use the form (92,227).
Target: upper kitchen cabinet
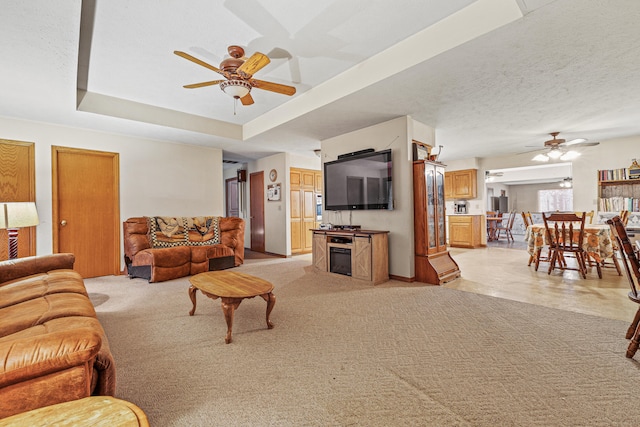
(461,184)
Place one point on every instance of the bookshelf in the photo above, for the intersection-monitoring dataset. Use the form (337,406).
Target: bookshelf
(616,192)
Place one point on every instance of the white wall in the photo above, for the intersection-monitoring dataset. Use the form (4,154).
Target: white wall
(396,135)
(156,177)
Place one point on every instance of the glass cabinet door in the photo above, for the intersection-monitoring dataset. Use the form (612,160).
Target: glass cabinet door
(431,206)
(440,218)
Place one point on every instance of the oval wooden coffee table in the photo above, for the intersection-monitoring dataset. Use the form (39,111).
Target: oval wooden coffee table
(231,287)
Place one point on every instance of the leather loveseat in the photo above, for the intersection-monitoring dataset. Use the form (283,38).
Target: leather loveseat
(165,248)
(52,347)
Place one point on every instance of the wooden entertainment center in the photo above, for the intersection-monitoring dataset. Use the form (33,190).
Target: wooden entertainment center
(360,254)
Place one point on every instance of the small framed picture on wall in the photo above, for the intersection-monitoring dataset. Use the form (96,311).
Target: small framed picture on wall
(273,192)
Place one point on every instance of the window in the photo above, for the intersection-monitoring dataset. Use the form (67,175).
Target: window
(555,200)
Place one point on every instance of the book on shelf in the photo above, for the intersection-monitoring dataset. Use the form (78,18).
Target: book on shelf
(616,204)
(620,174)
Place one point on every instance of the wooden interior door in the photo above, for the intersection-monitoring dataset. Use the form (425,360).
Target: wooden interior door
(232,201)
(18,184)
(295,211)
(304,185)
(86,209)
(257,191)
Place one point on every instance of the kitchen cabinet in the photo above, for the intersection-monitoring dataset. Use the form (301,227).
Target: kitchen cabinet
(465,231)
(433,263)
(461,184)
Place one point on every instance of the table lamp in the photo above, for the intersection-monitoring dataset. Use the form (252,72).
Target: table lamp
(16,215)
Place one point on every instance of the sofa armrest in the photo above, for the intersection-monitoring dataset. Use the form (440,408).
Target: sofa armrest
(22,267)
(31,357)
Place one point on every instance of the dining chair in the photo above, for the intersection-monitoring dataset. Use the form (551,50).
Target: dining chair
(565,235)
(624,217)
(632,267)
(493,224)
(589,216)
(506,227)
(527,220)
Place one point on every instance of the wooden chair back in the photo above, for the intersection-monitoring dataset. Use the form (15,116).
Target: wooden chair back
(512,217)
(627,254)
(624,217)
(565,231)
(527,219)
(632,267)
(565,235)
(589,216)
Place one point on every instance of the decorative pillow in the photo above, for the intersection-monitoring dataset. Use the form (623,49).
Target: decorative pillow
(167,232)
(203,230)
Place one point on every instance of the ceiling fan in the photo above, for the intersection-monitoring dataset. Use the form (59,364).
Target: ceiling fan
(238,72)
(557,148)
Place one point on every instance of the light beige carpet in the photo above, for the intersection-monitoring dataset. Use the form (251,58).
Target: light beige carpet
(350,354)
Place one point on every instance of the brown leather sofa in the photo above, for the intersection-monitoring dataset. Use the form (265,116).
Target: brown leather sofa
(52,346)
(183,258)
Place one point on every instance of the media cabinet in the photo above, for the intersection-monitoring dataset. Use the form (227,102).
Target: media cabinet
(360,254)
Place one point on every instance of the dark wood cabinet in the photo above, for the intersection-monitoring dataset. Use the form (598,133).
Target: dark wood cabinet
(433,263)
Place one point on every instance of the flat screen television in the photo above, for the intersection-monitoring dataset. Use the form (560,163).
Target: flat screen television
(359,182)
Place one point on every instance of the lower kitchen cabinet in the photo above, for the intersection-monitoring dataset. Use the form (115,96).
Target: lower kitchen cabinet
(465,231)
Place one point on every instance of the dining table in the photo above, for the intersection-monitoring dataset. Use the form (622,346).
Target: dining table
(597,240)
(492,226)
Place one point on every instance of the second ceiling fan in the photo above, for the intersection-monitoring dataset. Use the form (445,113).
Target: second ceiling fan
(238,73)
(557,148)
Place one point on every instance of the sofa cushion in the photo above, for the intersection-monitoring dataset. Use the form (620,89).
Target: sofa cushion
(21,267)
(200,256)
(39,285)
(36,311)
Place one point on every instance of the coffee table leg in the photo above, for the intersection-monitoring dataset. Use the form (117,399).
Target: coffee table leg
(192,295)
(229,306)
(271,301)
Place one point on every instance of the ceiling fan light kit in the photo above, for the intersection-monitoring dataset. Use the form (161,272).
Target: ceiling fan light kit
(235,88)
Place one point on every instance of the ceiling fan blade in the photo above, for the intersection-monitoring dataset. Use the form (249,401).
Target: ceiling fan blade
(203,84)
(247,99)
(273,87)
(583,144)
(197,61)
(255,63)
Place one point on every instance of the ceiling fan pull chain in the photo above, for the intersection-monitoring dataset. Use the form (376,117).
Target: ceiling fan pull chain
(235,102)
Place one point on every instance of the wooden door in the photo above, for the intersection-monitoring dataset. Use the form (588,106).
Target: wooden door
(295,211)
(18,184)
(256,188)
(232,201)
(304,185)
(308,209)
(86,209)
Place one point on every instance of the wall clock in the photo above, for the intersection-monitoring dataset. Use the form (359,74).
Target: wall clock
(273,175)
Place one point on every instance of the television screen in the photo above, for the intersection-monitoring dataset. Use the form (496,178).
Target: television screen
(359,182)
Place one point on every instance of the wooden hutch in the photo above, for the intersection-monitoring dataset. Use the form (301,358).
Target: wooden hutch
(433,263)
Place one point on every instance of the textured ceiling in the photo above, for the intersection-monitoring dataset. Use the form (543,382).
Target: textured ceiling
(491,76)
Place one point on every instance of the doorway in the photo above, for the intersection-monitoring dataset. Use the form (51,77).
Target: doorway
(256,214)
(232,202)
(86,209)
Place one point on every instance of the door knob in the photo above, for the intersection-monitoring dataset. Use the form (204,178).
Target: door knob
(63,222)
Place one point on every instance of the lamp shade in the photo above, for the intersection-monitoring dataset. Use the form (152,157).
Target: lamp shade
(18,214)
(235,88)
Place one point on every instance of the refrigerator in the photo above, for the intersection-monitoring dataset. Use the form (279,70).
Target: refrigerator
(499,204)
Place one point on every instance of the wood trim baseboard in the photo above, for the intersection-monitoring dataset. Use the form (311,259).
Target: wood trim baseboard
(402,278)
